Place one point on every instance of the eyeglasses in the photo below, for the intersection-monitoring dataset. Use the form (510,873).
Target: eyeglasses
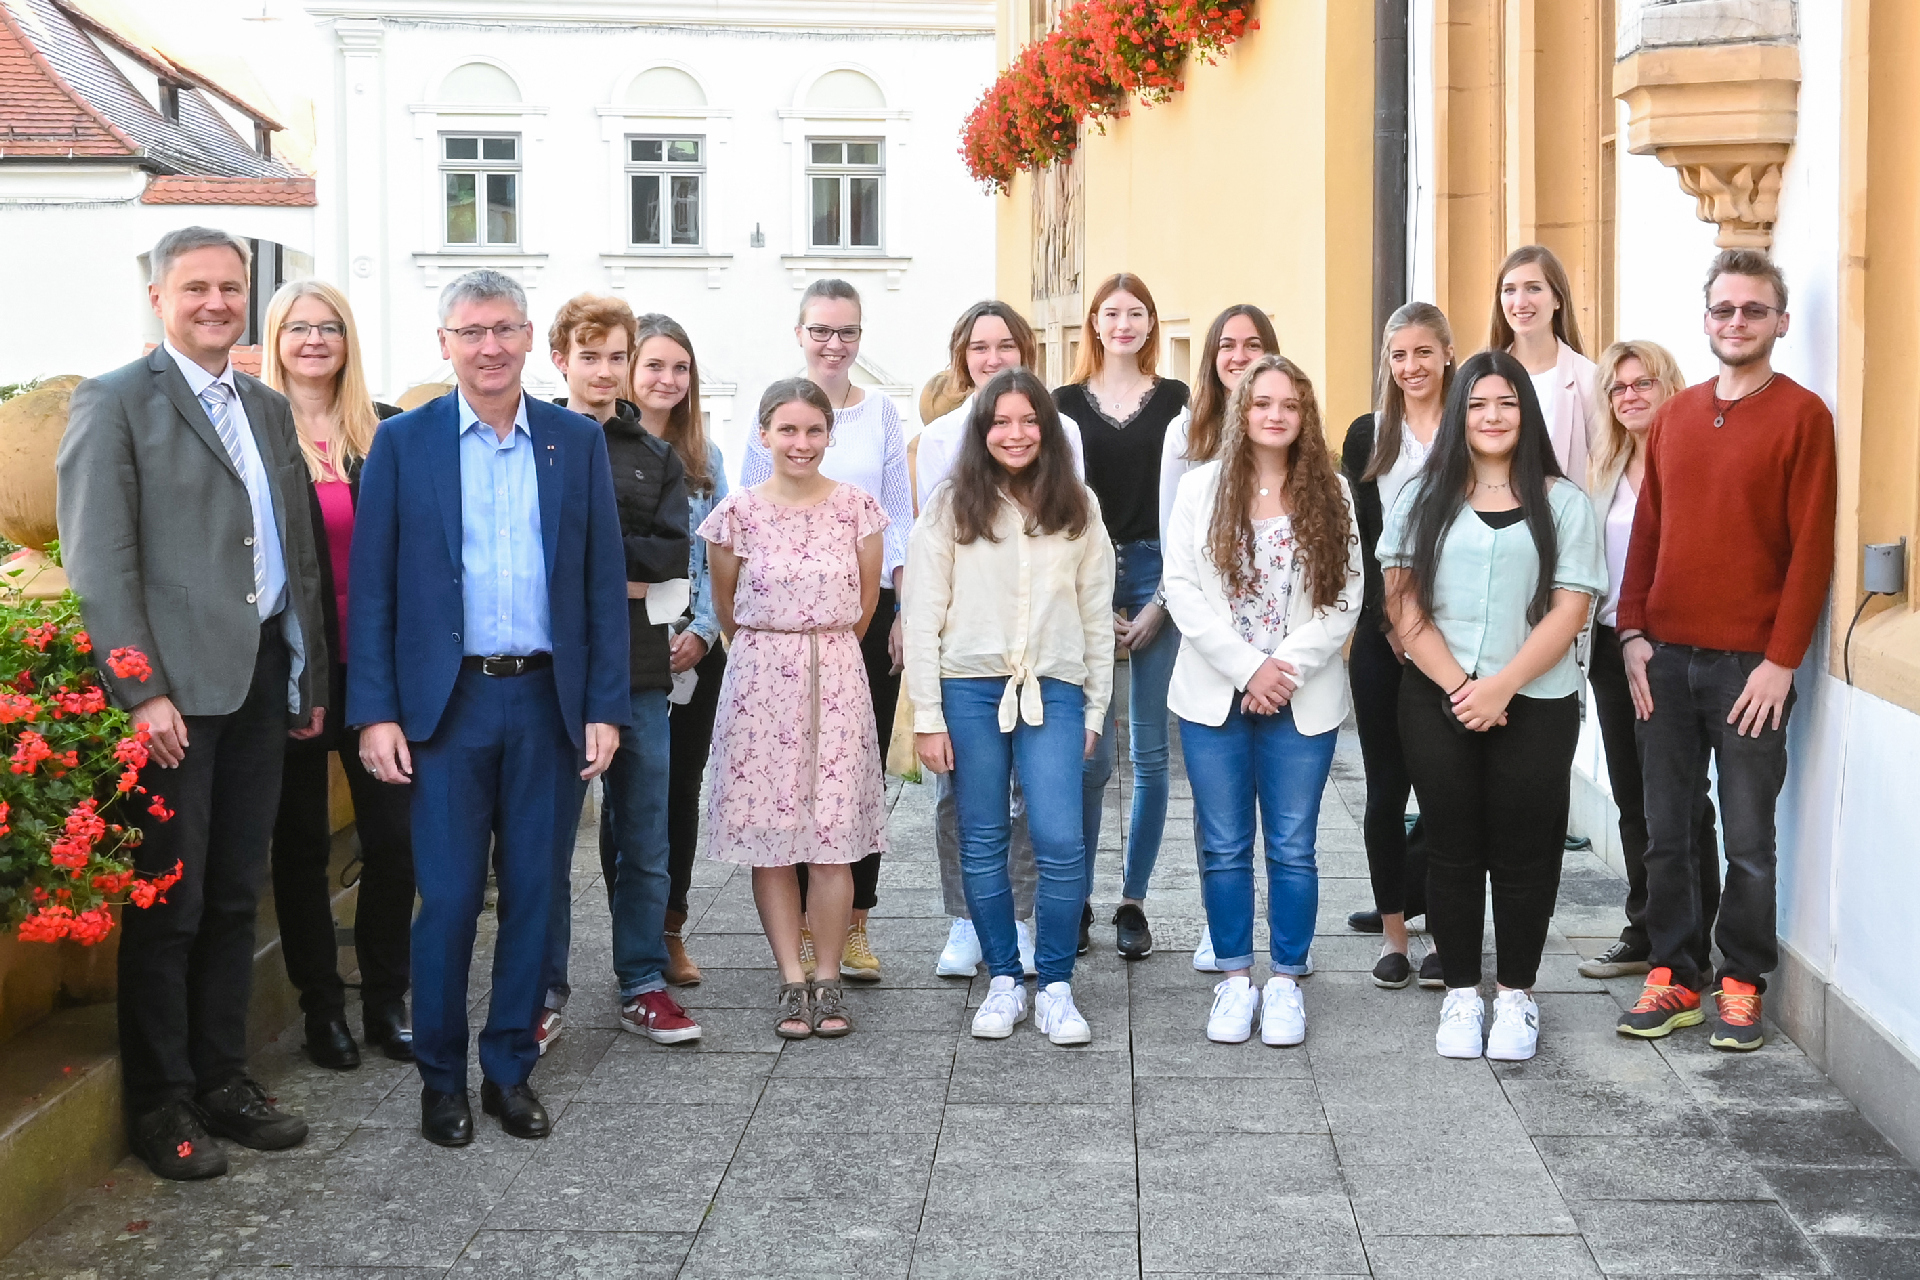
(1639,387)
(475,334)
(331,330)
(1754,312)
(822,332)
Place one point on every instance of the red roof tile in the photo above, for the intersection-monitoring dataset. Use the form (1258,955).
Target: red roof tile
(40,114)
(181,189)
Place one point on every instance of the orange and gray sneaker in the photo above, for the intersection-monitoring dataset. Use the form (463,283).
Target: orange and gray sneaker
(1664,1007)
(1736,1017)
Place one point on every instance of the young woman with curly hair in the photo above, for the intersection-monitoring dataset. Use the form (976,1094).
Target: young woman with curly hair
(1263,580)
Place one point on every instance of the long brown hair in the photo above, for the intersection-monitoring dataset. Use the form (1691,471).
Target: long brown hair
(1566,326)
(351,426)
(1389,401)
(686,428)
(957,376)
(1092,355)
(1611,443)
(1209,392)
(1322,528)
(1047,489)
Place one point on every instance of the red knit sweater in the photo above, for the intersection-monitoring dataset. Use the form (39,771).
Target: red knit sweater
(1733,537)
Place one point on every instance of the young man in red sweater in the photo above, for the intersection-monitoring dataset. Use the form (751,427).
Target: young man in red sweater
(1727,573)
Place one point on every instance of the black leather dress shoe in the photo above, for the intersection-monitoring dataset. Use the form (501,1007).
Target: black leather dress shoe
(330,1044)
(175,1144)
(1365,922)
(387,1031)
(446,1119)
(521,1114)
(242,1111)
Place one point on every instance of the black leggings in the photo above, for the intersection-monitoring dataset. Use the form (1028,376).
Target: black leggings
(691,724)
(1495,806)
(1396,858)
(883,683)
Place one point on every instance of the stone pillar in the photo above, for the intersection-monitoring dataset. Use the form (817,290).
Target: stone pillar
(360,167)
(1712,89)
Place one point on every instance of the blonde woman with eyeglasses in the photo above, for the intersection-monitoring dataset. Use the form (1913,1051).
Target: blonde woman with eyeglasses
(312,356)
(1634,380)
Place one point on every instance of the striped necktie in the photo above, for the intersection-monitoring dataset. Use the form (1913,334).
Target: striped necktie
(214,398)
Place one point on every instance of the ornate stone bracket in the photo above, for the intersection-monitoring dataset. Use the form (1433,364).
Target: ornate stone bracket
(1723,116)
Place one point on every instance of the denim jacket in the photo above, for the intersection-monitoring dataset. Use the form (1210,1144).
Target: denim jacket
(706,621)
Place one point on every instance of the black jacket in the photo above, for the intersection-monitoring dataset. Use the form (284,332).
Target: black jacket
(650,492)
(328,606)
(1366,503)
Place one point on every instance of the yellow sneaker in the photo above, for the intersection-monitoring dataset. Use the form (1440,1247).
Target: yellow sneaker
(807,962)
(857,961)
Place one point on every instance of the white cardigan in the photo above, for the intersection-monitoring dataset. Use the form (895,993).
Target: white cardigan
(1215,664)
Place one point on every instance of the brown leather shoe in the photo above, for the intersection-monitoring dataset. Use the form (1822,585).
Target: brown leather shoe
(681,970)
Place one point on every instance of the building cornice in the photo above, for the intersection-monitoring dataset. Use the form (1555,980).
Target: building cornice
(907,17)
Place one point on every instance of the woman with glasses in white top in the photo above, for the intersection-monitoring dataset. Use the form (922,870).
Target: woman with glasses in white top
(869,452)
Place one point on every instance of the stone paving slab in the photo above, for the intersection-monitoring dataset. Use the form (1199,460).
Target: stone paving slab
(910,1151)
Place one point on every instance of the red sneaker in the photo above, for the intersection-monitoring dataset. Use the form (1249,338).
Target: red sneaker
(1663,1007)
(659,1017)
(546,1030)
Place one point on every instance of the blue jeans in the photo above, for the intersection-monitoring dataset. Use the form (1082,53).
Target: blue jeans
(1048,757)
(1149,671)
(1265,758)
(633,842)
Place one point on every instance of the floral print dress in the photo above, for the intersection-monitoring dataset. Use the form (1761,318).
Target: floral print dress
(795,767)
(1260,612)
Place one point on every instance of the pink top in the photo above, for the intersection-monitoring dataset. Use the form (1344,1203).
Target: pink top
(336,510)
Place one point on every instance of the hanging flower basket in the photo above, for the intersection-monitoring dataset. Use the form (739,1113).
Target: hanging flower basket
(1100,55)
(69,769)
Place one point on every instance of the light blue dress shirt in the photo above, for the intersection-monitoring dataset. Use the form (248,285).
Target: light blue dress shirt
(706,619)
(272,596)
(1486,578)
(502,555)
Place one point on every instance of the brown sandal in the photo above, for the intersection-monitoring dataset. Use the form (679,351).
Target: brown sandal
(827,1003)
(792,1003)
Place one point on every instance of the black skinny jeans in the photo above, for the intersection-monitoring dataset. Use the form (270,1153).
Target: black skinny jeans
(302,892)
(883,683)
(691,726)
(1693,690)
(1396,857)
(1613,708)
(1495,806)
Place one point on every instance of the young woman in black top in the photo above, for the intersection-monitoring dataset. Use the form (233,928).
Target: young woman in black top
(1124,412)
(1384,452)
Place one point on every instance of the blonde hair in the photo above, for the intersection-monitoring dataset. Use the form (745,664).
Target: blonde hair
(351,425)
(1612,442)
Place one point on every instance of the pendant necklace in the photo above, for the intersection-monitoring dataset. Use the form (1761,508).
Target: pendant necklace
(1720,411)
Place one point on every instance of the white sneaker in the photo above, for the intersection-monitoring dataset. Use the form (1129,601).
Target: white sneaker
(1203,958)
(1055,1016)
(1516,1027)
(1283,1018)
(1005,1005)
(960,958)
(1235,1003)
(1023,933)
(1460,1019)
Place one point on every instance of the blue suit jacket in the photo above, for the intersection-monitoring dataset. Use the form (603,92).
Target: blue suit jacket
(405,607)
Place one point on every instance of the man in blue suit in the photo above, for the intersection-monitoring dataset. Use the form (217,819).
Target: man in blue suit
(488,606)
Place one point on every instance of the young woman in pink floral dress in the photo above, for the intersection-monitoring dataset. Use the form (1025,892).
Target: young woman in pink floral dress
(795,767)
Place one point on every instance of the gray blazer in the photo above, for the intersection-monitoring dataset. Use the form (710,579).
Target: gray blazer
(154,522)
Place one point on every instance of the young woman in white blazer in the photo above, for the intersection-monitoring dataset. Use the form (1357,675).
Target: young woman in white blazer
(1533,322)
(1263,579)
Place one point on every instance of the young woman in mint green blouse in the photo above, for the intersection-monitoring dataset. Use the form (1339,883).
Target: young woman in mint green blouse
(1492,562)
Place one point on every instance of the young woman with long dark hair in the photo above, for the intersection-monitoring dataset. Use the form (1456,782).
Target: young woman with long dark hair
(1124,410)
(1010,666)
(1533,321)
(1492,563)
(1264,582)
(1384,452)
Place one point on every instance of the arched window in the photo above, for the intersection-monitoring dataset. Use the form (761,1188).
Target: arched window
(844,89)
(478,82)
(665,87)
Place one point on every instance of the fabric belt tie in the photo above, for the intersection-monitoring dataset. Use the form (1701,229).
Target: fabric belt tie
(1022,692)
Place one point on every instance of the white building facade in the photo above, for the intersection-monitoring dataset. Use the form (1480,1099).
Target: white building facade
(702,161)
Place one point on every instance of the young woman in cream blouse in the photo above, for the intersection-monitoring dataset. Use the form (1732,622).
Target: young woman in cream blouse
(1263,579)
(1009,639)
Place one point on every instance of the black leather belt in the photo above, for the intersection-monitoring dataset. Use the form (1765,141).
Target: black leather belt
(506,664)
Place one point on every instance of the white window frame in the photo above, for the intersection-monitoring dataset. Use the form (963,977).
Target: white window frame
(664,171)
(482,169)
(894,126)
(845,172)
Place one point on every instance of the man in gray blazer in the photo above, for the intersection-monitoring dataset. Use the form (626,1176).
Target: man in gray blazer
(184,526)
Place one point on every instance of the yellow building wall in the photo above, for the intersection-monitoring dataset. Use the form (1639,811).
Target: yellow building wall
(1253,185)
